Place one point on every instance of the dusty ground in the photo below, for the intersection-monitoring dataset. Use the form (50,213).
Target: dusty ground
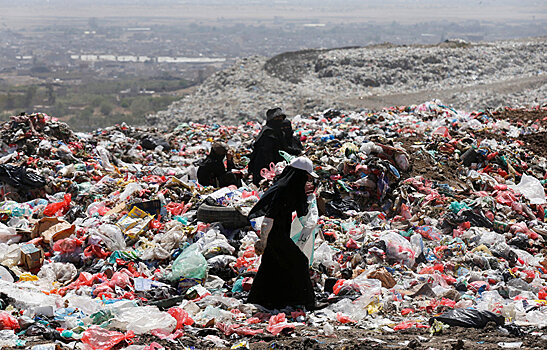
(454,338)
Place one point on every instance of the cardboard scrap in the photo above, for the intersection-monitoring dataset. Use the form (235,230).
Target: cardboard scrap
(53,229)
(31,256)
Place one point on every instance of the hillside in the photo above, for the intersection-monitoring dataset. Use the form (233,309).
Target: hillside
(471,76)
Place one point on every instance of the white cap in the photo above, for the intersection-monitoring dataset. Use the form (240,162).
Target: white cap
(303,163)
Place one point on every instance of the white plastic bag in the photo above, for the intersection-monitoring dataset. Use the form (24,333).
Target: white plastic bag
(399,248)
(129,190)
(58,272)
(145,319)
(112,236)
(531,188)
(104,155)
(10,254)
(304,229)
(323,255)
(8,234)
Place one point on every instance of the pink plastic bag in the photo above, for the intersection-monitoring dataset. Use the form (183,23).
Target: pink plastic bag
(182,317)
(120,279)
(67,245)
(153,346)
(344,318)
(268,174)
(101,339)
(278,323)
(409,324)
(442,131)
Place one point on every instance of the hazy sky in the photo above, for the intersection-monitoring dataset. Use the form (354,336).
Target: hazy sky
(319,11)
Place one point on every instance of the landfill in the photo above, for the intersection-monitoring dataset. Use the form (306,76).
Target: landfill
(469,75)
(429,223)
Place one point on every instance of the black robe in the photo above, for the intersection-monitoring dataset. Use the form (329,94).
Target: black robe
(266,149)
(283,278)
(212,172)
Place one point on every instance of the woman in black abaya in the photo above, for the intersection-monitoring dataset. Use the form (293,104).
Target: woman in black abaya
(283,278)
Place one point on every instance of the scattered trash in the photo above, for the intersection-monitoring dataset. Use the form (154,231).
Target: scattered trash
(419,213)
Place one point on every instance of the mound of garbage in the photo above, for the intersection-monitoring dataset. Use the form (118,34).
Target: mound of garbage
(427,219)
(470,76)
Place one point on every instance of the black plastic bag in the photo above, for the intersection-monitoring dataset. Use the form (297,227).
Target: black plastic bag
(469,318)
(150,143)
(20,178)
(340,207)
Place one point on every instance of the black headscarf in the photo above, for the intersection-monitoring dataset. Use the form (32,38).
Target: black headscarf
(289,189)
(273,128)
(286,127)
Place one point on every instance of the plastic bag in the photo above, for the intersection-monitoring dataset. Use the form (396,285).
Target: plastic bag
(59,208)
(8,235)
(120,279)
(20,178)
(104,155)
(97,208)
(268,173)
(101,339)
(67,245)
(176,208)
(112,237)
(304,229)
(7,321)
(189,264)
(278,323)
(531,188)
(399,248)
(182,317)
(10,254)
(344,318)
(129,190)
(142,320)
(469,318)
(323,256)
(59,272)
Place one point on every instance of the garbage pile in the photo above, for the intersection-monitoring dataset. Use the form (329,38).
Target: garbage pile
(467,75)
(428,218)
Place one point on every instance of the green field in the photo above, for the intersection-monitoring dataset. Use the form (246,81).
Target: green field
(93,103)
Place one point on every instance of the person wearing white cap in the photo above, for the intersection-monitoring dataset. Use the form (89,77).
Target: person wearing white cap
(283,278)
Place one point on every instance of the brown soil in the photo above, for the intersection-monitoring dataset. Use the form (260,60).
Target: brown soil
(523,116)
(537,143)
(424,165)
(533,142)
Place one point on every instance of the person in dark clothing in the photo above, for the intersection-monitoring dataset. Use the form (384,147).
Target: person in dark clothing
(211,171)
(292,143)
(283,278)
(268,144)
